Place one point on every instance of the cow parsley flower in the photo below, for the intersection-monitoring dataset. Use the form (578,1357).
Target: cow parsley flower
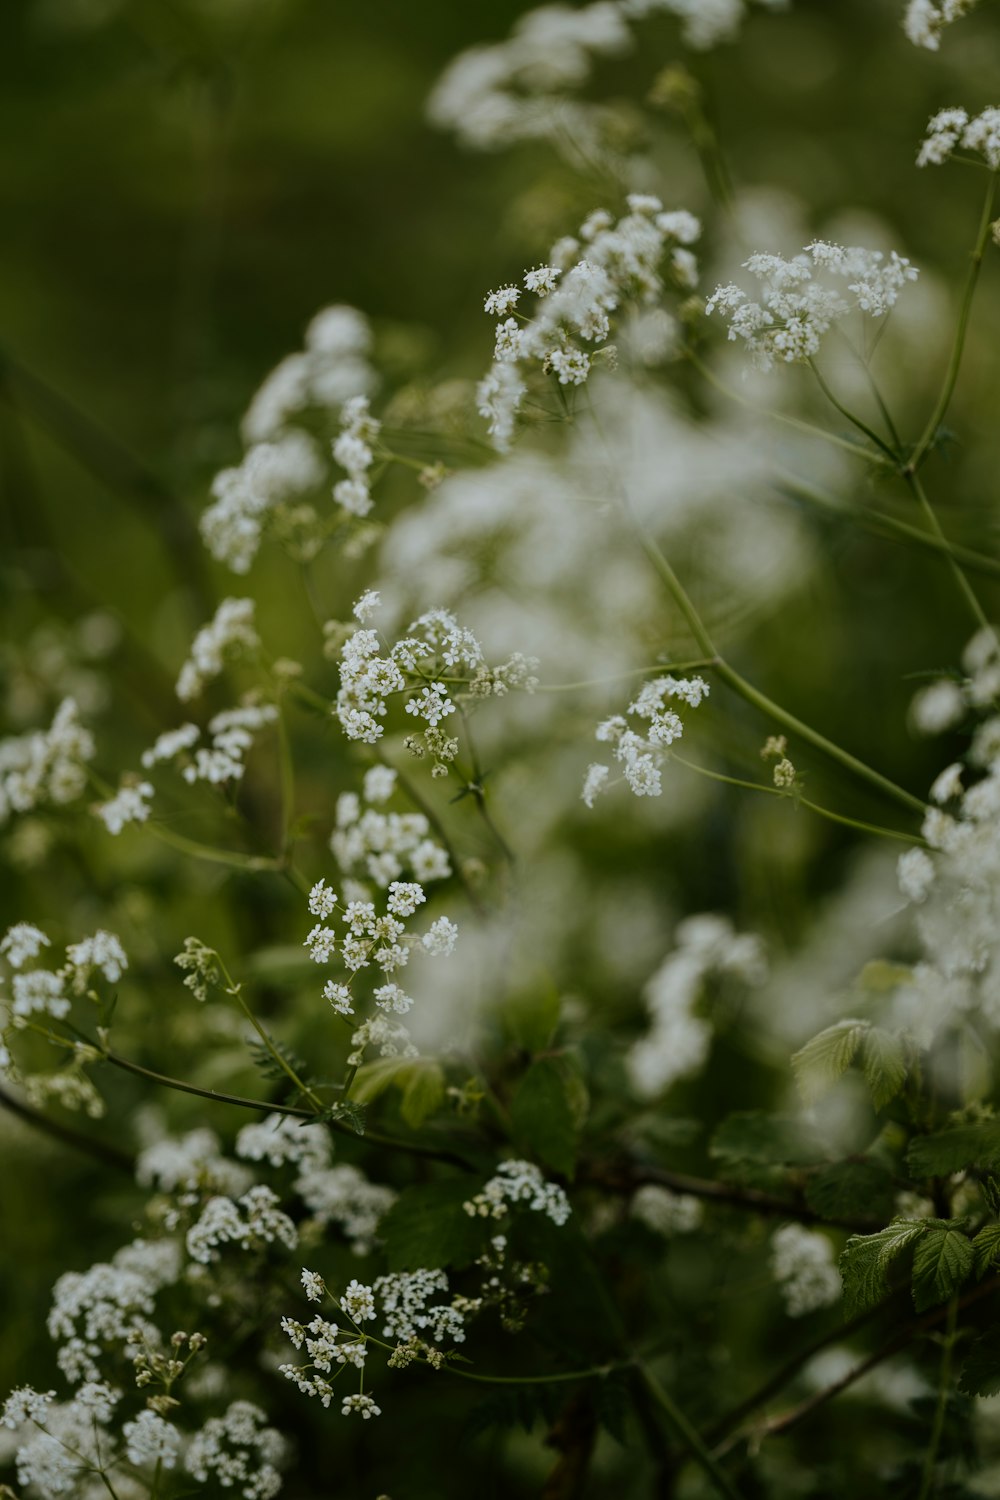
(804,1268)
(799,304)
(677,1042)
(21,943)
(951,128)
(129,805)
(240,1451)
(47,766)
(519,1182)
(151,1439)
(641,754)
(230,633)
(270,474)
(924,20)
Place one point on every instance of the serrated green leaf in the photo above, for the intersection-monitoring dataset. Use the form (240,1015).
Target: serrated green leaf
(867,1260)
(986,1248)
(883,1064)
(941,1262)
(544,1114)
(268,1065)
(423,1092)
(819,1064)
(948,1151)
(769,1140)
(981,1369)
(428,1226)
(851,1189)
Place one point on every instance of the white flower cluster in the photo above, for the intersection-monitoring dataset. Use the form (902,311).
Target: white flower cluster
(269,474)
(59,1445)
(403,1301)
(352,451)
(338,1195)
(704,23)
(588,278)
(797,306)
(924,20)
(102,1307)
(803,1266)
(436,654)
(954,886)
(678,1040)
(379,939)
(331,369)
(641,754)
(951,128)
(47,766)
(229,634)
(190,1165)
(516,90)
(232,734)
(494,96)
(49,992)
(130,804)
(238,1450)
(383,846)
(252,1221)
(519,1182)
(666,1212)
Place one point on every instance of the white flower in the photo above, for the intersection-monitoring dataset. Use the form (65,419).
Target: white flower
(803,1266)
(313,1284)
(924,20)
(363,1405)
(150,1439)
(441,937)
(228,634)
(130,805)
(21,943)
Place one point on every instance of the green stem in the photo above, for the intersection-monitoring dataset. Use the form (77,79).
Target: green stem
(663,666)
(869,432)
(759,700)
(824,812)
(103,1151)
(958,348)
(965,587)
(564,1378)
(881,523)
(232,857)
(264,1107)
(858,449)
(689,1435)
(944,1384)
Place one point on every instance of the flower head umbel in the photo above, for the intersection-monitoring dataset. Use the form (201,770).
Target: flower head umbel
(801,298)
(640,752)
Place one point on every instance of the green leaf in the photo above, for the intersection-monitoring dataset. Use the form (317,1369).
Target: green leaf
(532,1018)
(941,1262)
(765,1140)
(827,1057)
(428,1226)
(986,1248)
(373,1078)
(981,1370)
(423,1092)
(851,1189)
(867,1260)
(950,1151)
(545,1112)
(883,1064)
(269,1066)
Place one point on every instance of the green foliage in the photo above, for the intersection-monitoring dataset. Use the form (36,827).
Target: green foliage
(754,1139)
(428,1226)
(942,1260)
(986,1247)
(981,1367)
(851,1189)
(419,1080)
(546,1112)
(532,1016)
(867,1260)
(827,1057)
(883,1063)
(949,1151)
